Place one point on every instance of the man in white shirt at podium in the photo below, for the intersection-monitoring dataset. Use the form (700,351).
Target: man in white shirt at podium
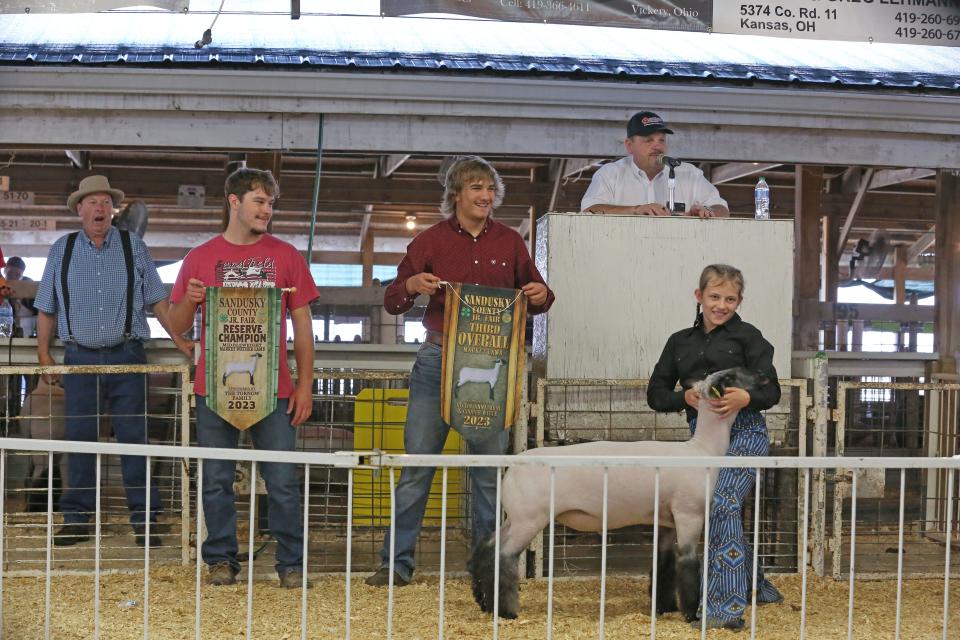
(639,183)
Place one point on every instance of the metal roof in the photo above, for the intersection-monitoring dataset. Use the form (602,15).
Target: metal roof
(416,44)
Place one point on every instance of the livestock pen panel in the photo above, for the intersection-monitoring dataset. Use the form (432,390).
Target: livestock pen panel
(893,419)
(34,481)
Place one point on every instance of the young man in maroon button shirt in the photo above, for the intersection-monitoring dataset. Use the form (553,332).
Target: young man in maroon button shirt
(469,247)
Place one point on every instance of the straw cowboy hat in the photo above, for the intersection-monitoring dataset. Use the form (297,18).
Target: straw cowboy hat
(93,184)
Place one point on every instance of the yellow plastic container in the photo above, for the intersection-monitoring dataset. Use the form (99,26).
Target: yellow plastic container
(379,416)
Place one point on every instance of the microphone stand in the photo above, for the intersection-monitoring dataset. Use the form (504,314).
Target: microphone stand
(671,185)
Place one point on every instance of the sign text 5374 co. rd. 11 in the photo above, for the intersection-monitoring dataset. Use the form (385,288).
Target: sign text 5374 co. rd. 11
(899,21)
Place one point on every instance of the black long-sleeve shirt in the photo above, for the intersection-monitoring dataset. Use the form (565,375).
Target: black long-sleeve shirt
(691,355)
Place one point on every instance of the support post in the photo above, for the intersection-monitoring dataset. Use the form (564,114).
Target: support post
(806,266)
(946,273)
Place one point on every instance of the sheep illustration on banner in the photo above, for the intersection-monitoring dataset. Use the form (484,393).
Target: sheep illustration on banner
(483,359)
(242,353)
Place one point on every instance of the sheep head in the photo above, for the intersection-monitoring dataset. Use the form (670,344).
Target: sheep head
(716,384)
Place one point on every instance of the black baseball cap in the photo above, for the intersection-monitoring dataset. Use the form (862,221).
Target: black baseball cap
(643,123)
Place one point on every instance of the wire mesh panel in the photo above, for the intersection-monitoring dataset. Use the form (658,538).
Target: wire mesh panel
(572,410)
(893,419)
(36,482)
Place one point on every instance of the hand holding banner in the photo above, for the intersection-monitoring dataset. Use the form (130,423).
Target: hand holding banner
(483,359)
(242,353)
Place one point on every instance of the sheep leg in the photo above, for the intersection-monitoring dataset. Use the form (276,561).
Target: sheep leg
(688,572)
(666,572)
(481,568)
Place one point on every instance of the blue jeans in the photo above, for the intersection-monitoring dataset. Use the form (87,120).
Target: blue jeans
(425,432)
(122,397)
(273,433)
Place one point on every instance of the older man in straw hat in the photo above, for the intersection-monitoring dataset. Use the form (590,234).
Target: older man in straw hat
(96,287)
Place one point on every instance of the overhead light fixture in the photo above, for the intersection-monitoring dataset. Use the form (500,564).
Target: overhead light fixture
(411,221)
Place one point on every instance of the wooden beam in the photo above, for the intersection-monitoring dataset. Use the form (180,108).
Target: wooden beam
(556,185)
(922,243)
(367,259)
(806,256)
(364,229)
(830,311)
(735,170)
(854,208)
(572,166)
(924,274)
(946,283)
(900,275)
(887,177)
(390,163)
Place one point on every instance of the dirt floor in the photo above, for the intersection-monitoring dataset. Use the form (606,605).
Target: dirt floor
(276,612)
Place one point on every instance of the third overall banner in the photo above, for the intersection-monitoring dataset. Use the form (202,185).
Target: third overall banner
(243,351)
(483,359)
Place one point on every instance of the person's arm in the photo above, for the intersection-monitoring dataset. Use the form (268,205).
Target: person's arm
(183,310)
(161,309)
(708,211)
(661,390)
(705,200)
(46,324)
(758,356)
(651,209)
(301,402)
(539,296)
(413,278)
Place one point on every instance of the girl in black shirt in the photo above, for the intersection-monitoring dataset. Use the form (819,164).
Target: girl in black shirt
(719,340)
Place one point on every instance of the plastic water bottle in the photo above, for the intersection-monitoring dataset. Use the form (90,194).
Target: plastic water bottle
(6,319)
(761,200)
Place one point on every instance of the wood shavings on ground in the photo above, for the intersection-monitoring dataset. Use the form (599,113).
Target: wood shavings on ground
(276,612)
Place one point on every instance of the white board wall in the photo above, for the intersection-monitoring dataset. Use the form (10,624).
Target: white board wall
(625,283)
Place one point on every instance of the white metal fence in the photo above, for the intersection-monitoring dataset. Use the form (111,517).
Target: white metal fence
(352,461)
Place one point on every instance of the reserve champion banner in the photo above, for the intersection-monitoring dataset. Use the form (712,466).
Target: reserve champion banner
(483,359)
(925,22)
(242,353)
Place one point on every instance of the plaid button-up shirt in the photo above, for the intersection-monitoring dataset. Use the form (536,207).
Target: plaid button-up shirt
(97,281)
(497,257)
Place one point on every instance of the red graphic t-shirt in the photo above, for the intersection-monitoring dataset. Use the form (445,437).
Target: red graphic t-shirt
(269,262)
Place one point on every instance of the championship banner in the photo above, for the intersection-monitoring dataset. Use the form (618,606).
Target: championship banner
(674,15)
(242,353)
(483,359)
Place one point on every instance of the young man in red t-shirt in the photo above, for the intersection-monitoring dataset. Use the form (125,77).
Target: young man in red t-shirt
(246,255)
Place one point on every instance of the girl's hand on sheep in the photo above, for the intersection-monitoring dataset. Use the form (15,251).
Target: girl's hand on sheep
(733,400)
(692,398)
(425,283)
(536,293)
(196,291)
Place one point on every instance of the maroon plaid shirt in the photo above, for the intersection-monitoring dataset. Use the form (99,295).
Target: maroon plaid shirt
(497,257)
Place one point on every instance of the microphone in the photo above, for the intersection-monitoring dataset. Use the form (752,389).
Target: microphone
(667,161)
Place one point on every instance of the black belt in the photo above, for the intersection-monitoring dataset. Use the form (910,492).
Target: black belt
(115,347)
(434,337)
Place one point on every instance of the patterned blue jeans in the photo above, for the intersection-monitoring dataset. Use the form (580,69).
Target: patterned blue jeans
(730,555)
